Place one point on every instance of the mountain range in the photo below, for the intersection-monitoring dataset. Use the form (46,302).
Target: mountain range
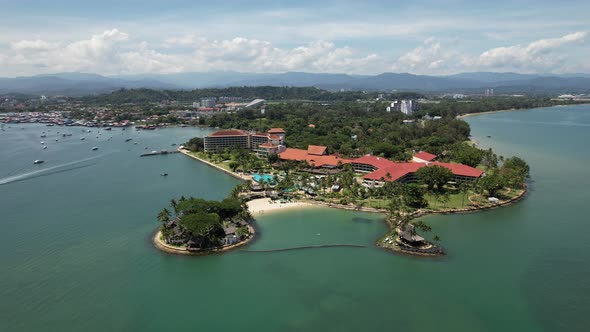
(79,84)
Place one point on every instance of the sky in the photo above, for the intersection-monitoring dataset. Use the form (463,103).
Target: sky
(435,37)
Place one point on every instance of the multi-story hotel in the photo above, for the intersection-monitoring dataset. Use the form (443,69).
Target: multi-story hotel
(261,143)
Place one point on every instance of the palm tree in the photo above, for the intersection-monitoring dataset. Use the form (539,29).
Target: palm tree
(164,216)
(174,205)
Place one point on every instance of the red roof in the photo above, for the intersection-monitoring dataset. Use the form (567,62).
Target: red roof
(228,132)
(275,137)
(377,162)
(316,160)
(398,170)
(276,131)
(460,169)
(317,150)
(394,171)
(267,145)
(425,156)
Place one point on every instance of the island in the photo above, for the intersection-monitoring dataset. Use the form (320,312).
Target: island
(343,157)
(194,225)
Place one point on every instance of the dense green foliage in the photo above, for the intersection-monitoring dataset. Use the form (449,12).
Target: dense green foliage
(198,222)
(348,128)
(434,176)
(247,92)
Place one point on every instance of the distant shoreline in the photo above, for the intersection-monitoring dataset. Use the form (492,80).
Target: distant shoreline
(467,115)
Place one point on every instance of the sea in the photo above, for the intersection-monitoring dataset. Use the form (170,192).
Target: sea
(76,251)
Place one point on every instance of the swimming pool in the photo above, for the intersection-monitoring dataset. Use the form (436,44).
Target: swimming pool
(263,178)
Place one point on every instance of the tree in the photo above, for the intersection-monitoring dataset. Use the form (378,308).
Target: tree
(233,165)
(434,176)
(492,183)
(164,216)
(413,195)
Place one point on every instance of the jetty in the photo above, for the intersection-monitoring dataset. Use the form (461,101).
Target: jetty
(157,153)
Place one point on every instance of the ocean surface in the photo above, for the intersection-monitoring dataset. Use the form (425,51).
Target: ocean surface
(76,252)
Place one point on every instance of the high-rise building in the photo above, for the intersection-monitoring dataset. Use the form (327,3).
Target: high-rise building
(406,106)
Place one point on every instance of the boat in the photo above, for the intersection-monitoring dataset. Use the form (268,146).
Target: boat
(42,136)
(95,148)
(488,136)
(173,144)
(82,138)
(129,139)
(42,142)
(38,161)
(44,147)
(164,174)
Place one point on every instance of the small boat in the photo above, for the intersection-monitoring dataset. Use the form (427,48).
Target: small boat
(57,140)
(95,148)
(82,138)
(44,147)
(488,136)
(38,161)
(42,136)
(173,144)
(42,142)
(135,143)
(129,139)
(164,174)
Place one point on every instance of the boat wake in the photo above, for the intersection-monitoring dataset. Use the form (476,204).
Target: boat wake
(50,170)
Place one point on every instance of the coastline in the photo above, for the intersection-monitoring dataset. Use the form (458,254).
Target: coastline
(262,206)
(183,251)
(235,175)
(466,115)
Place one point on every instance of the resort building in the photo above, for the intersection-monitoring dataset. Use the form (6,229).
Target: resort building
(315,156)
(423,157)
(367,164)
(226,139)
(261,143)
(383,170)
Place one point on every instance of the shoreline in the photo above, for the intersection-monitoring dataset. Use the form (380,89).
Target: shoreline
(467,115)
(183,251)
(235,175)
(262,206)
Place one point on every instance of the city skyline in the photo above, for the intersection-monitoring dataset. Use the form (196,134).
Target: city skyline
(423,37)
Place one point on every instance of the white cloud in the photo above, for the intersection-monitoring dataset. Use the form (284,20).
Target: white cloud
(114,52)
(543,55)
(428,58)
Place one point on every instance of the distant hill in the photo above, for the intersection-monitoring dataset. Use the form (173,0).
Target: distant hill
(74,84)
(78,84)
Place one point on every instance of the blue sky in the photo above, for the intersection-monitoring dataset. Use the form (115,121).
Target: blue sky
(361,37)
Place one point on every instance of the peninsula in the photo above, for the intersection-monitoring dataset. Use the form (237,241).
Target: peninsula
(358,160)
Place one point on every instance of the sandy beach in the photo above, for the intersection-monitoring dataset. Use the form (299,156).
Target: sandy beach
(263,205)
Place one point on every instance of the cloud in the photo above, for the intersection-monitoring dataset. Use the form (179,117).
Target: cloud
(541,56)
(427,58)
(114,52)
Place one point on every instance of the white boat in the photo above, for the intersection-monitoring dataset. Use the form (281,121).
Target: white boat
(82,138)
(44,147)
(95,148)
(42,142)
(38,161)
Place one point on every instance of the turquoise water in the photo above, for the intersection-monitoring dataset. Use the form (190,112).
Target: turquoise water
(263,178)
(76,252)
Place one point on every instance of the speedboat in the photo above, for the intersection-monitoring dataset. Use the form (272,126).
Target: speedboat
(38,161)
(42,142)
(44,147)
(95,148)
